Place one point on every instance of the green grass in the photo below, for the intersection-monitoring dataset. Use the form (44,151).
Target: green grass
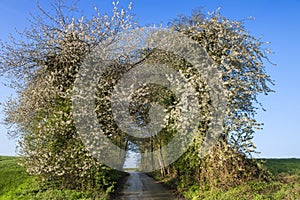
(285,184)
(11,175)
(15,183)
(289,166)
(251,190)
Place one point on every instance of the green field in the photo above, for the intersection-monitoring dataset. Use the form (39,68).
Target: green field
(283,166)
(15,183)
(12,176)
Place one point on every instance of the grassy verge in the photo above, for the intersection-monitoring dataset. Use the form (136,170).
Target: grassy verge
(11,175)
(16,184)
(285,185)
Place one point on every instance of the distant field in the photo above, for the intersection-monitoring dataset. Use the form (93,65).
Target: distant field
(130,169)
(16,184)
(289,166)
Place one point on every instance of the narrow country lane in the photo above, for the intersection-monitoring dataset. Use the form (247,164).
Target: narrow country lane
(139,186)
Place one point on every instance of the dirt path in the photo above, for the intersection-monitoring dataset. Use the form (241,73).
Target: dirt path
(139,186)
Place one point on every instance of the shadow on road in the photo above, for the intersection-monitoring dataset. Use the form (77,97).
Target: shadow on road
(139,186)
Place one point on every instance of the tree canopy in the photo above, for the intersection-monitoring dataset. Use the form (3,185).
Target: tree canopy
(43,68)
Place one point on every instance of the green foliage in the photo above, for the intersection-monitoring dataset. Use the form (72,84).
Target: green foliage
(240,59)
(11,174)
(285,185)
(249,190)
(36,190)
(15,183)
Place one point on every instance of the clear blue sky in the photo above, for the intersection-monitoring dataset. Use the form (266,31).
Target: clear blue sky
(276,21)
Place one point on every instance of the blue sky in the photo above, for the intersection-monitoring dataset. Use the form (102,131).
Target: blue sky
(276,21)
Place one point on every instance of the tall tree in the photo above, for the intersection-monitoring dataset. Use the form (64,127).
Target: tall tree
(43,67)
(240,58)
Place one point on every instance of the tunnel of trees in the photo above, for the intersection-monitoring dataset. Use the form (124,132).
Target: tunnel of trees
(44,65)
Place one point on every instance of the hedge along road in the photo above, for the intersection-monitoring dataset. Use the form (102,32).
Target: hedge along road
(139,186)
